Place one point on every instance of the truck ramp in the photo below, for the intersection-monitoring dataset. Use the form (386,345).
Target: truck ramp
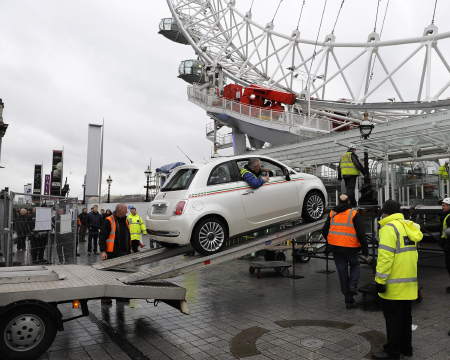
(182,264)
(65,283)
(132,261)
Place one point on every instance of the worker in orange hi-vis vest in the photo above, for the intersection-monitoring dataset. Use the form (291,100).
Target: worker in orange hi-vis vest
(115,239)
(344,231)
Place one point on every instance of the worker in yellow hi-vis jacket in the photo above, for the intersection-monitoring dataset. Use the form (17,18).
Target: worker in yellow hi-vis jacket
(137,228)
(396,278)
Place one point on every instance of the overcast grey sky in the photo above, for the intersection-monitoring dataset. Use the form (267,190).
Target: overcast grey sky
(64,64)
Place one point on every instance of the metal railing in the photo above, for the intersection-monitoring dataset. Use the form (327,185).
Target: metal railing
(312,124)
(37,229)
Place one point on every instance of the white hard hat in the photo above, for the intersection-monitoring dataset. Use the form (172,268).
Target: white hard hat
(351,146)
(446,201)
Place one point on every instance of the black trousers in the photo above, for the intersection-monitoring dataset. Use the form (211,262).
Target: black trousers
(21,241)
(135,245)
(397,314)
(92,240)
(350,184)
(348,269)
(38,243)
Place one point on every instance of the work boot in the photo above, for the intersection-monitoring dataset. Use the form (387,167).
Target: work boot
(385,356)
(350,306)
(447,289)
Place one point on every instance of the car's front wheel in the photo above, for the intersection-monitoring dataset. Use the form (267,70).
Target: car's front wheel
(313,206)
(209,235)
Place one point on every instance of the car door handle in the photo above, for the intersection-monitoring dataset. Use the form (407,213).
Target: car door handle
(248,192)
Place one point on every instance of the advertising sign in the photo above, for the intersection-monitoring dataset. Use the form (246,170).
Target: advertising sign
(27,189)
(37,183)
(57,173)
(47,184)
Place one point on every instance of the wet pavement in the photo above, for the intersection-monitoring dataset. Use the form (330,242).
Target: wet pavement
(235,315)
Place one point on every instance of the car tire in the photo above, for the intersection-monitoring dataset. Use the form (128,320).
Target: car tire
(209,235)
(313,206)
(26,332)
(167,245)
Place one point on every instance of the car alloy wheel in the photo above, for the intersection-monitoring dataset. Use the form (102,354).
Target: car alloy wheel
(313,206)
(24,332)
(211,236)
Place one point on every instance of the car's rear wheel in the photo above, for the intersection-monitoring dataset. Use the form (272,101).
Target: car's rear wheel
(209,236)
(313,206)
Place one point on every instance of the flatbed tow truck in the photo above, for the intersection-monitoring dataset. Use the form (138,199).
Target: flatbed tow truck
(30,295)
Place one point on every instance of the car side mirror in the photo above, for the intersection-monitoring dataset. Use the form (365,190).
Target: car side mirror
(286,174)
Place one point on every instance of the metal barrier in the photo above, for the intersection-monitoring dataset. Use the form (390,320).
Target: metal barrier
(38,229)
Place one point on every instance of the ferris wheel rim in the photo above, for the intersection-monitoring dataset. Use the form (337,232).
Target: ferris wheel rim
(384,43)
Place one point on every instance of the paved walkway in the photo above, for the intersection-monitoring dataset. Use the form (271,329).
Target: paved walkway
(235,315)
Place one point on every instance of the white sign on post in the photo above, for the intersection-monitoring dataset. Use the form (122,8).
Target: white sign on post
(43,219)
(66,224)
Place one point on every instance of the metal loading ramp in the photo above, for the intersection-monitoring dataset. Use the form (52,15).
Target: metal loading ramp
(131,261)
(81,282)
(182,264)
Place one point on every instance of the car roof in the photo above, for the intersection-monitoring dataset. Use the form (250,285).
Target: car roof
(215,161)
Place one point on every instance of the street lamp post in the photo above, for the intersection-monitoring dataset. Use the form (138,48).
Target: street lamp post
(148,173)
(109,181)
(368,194)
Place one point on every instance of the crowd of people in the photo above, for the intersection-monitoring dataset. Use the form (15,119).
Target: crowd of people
(95,225)
(99,225)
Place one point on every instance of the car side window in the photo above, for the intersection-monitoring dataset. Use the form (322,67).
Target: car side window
(222,174)
(273,168)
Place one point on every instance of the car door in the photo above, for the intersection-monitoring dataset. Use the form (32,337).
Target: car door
(223,196)
(275,201)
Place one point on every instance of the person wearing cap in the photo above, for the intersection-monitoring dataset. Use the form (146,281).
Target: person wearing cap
(344,231)
(137,228)
(349,169)
(445,234)
(396,278)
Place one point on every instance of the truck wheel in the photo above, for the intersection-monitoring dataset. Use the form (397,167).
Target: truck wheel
(209,236)
(313,206)
(26,332)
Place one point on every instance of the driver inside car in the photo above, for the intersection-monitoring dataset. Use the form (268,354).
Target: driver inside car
(252,173)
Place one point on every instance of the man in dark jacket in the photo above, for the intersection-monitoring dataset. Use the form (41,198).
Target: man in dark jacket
(119,240)
(445,234)
(344,231)
(115,238)
(252,173)
(349,169)
(94,223)
(83,224)
(22,226)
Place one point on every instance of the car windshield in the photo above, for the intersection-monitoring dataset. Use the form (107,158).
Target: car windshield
(180,180)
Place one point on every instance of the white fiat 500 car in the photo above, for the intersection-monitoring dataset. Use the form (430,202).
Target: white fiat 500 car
(205,204)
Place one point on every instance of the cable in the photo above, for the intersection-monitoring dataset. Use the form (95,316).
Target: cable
(301,12)
(314,57)
(337,17)
(376,17)
(251,6)
(434,11)
(381,32)
(276,11)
